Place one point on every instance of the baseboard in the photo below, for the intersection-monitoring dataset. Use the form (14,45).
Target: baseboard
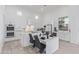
(10,39)
(74,42)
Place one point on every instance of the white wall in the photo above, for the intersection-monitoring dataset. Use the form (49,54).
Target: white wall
(1,27)
(12,17)
(73,13)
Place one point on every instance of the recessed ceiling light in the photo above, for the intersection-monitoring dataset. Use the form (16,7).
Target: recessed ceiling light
(42,9)
(19,13)
(36,17)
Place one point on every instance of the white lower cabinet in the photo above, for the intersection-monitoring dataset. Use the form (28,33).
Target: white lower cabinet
(25,40)
(64,35)
(52,45)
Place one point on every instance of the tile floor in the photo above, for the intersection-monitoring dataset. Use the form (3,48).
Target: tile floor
(67,48)
(14,47)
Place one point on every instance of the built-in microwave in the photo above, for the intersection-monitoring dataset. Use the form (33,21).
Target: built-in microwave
(10,28)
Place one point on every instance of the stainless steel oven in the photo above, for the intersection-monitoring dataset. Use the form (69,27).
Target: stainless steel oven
(10,34)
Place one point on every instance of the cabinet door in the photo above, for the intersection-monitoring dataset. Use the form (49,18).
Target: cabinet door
(52,45)
(25,41)
(64,35)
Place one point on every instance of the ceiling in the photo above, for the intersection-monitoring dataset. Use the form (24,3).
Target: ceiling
(41,9)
